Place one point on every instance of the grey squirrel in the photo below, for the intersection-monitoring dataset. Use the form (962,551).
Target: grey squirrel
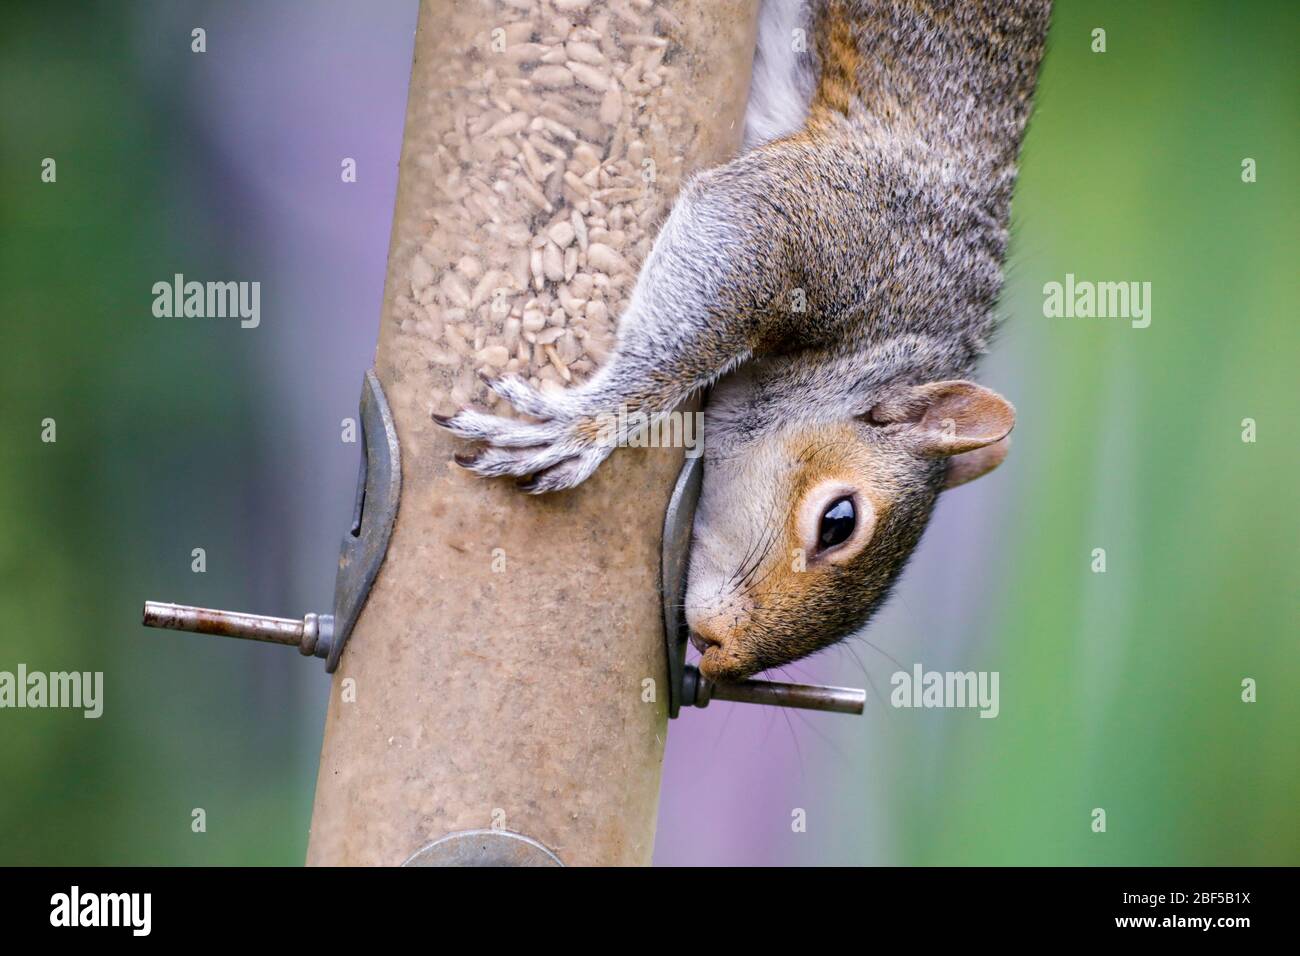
(836,283)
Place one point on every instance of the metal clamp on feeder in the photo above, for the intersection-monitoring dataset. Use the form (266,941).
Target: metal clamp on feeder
(379,487)
(687,687)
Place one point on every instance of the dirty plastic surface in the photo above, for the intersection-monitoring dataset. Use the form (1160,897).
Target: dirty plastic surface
(499,673)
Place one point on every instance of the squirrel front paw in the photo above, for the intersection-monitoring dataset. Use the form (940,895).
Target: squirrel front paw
(559,451)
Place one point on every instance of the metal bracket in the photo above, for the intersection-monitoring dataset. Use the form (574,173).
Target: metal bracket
(379,488)
(687,687)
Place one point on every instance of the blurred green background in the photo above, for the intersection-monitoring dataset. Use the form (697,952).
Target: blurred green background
(1119,690)
(1123,690)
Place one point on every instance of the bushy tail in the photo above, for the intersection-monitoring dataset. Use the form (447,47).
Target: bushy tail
(956,74)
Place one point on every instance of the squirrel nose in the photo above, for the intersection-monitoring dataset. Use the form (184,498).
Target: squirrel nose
(708,632)
(701,643)
(717,624)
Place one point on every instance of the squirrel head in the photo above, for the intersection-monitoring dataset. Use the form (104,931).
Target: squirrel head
(803,526)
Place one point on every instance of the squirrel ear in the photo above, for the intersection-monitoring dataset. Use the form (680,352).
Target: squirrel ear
(973,464)
(949,418)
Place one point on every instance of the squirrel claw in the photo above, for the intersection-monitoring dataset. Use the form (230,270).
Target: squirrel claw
(552,454)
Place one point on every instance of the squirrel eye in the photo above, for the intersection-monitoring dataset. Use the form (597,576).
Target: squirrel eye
(838,521)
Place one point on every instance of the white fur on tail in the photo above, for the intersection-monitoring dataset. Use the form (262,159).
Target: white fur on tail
(783,80)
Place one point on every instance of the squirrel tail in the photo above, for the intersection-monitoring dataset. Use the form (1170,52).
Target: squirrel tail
(958,75)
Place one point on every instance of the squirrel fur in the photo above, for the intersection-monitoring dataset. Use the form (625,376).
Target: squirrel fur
(836,284)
